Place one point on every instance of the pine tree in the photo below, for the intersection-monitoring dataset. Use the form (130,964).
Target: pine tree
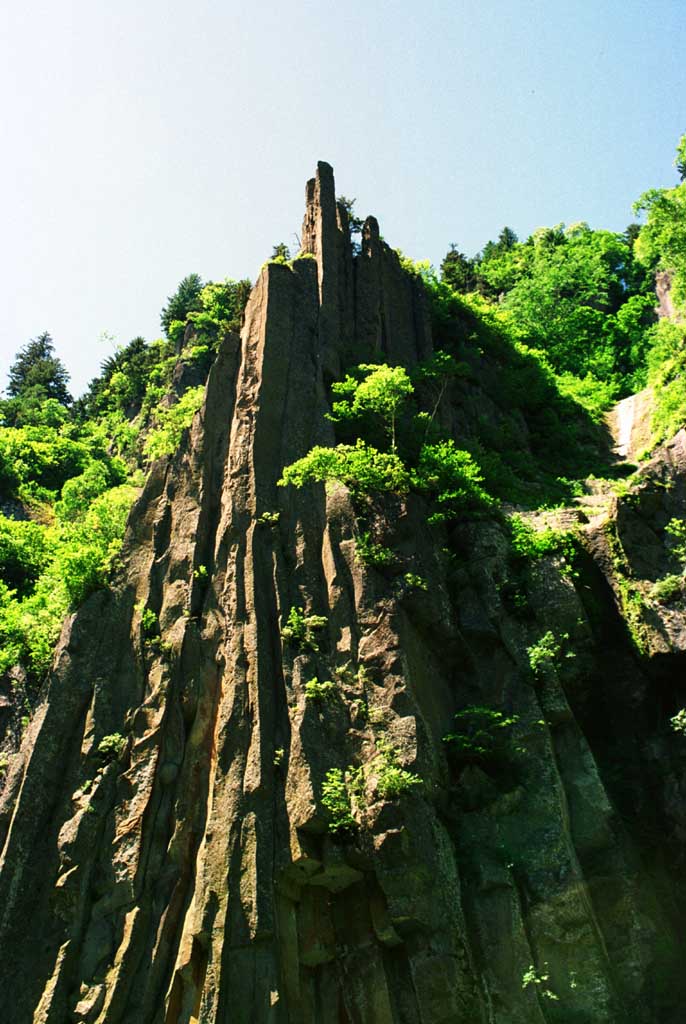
(38,374)
(186,299)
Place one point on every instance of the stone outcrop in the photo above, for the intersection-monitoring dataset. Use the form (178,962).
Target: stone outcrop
(187,873)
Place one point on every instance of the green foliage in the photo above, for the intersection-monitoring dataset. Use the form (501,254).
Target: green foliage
(268,518)
(360,467)
(666,361)
(299,629)
(148,620)
(530,544)
(662,241)
(392,779)
(320,693)
(668,589)
(80,491)
(372,553)
(545,653)
(336,800)
(186,299)
(680,159)
(171,421)
(453,479)
(280,253)
(222,305)
(41,456)
(381,393)
(676,528)
(200,573)
(540,979)
(414,582)
(355,223)
(110,748)
(36,375)
(70,561)
(24,553)
(678,722)
(481,735)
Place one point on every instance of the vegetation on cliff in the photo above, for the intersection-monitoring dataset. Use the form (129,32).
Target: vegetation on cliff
(543,334)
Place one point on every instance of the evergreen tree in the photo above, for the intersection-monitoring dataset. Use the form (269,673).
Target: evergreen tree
(186,299)
(458,270)
(35,376)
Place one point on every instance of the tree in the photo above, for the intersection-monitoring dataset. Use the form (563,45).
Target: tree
(457,270)
(35,376)
(680,161)
(355,223)
(380,394)
(36,367)
(281,252)
(186,299)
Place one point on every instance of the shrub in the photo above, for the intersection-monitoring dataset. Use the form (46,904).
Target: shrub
(110,748)
(360,467)
(300,628)
(668,589)
(453,478)
(319,693)
(371,553)
(545,652)
(676,528)
(528,543)
(481,735)
(24,553)
(414,582)
(336,800)
(678,722)
(392,779)
(171,421)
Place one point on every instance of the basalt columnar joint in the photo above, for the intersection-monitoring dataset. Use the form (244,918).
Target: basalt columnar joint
(191,874)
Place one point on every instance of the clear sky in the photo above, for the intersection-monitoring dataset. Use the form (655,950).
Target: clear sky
(147,139)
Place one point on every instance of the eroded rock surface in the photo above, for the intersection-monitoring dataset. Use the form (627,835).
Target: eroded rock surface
(193,877)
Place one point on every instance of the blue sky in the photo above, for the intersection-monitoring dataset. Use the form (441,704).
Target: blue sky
(144,140)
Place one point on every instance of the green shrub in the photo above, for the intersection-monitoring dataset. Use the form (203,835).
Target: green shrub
(171,421)
(668,589)
(392,779)
(545,653)
(149,620)
(676,528)
(454,480)
(336,800)
(678,722)
(530,544)
(24,553)
(110,748)
(371,553)
(299,628)
(481,735)
(414,582)
(360,467)
(320,693)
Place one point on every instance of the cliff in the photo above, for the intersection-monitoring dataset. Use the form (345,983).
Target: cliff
(189,871)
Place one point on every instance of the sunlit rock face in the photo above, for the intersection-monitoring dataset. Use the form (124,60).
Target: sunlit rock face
(191,874)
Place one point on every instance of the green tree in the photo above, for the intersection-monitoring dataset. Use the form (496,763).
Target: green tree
(35,375)
(381,393)
(458,270)
(680,161)
(186,299)
(662,241)
(281,252)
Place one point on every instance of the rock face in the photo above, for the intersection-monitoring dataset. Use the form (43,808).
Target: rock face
(186,873)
